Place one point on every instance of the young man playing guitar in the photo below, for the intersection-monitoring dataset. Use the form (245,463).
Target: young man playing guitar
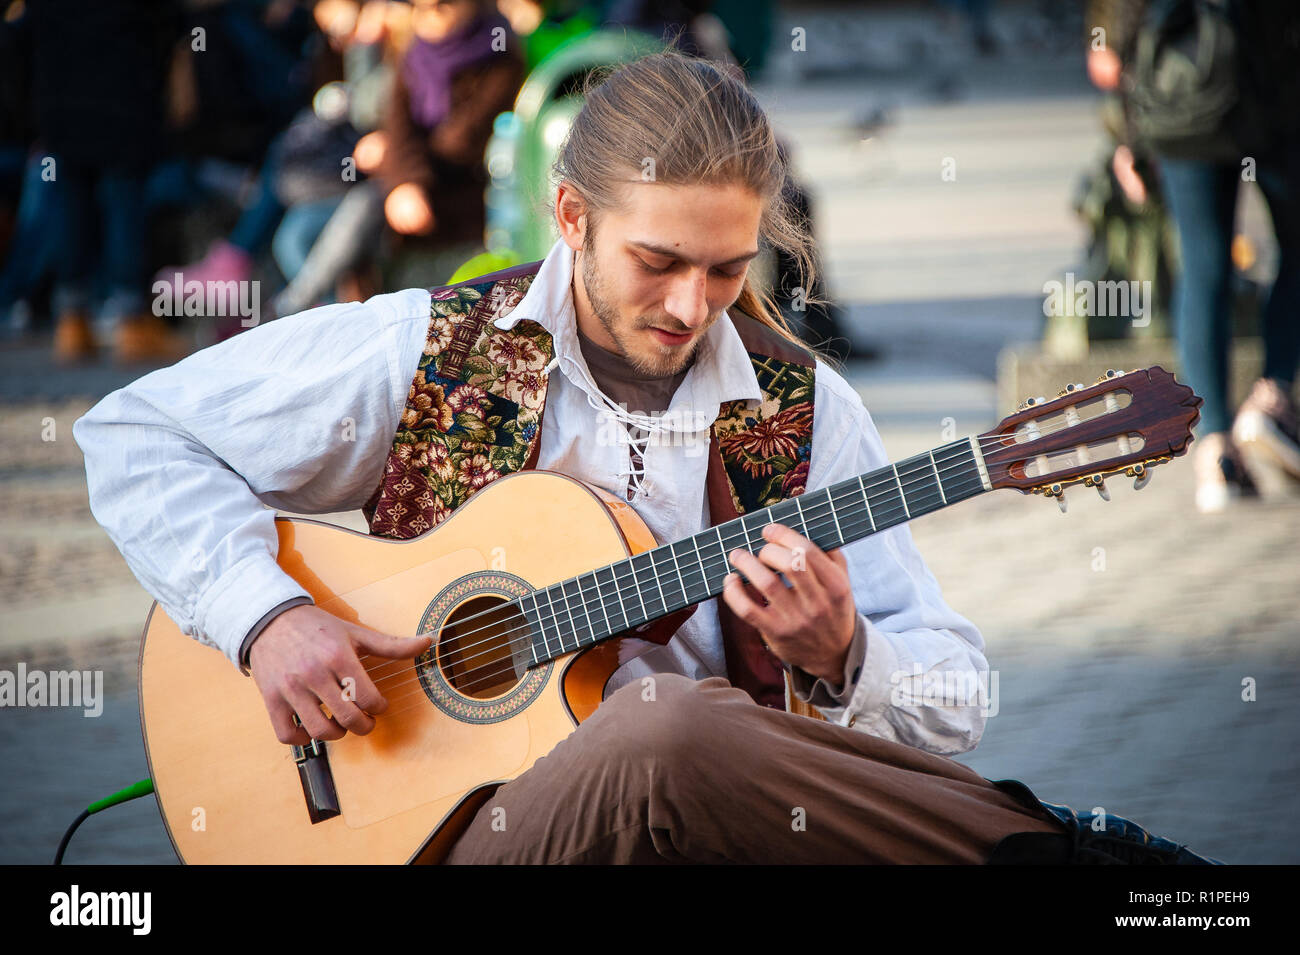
(669,180)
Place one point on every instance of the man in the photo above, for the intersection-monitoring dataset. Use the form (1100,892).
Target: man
(668,180)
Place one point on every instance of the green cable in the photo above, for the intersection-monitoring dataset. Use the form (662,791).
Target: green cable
(143,788)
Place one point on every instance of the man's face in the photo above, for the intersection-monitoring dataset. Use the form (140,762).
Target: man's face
(658,272)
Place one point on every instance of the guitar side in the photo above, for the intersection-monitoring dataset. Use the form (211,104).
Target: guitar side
(230,792)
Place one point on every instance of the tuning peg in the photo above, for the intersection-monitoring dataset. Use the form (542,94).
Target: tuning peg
(1143,475)
(1031,402)
(1111,373)
(1070,389)
(1099,483)
(1058,492)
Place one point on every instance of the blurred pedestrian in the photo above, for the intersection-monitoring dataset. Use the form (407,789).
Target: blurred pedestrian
(427,177)
(1175,61)
(99,119)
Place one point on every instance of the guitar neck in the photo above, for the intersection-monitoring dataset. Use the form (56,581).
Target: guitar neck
(633,593)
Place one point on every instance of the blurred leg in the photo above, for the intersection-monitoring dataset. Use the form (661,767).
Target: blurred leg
(1202,198)
(121,204)
(298,232)
(351,232)
(32,250)
(1279,180)
(74,233)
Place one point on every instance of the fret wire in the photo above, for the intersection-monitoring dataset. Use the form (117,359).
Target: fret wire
(937,479)
(538,613)
(613,577)
(699,558)
(681,583)
(637,586)
(600,600)
(682,575)
(565,593)
(722,549)
(867,502)
(586,611)
(900,490)
(559,633)
(835,517)
(654,572)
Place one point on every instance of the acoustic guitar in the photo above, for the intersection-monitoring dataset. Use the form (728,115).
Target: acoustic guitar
(527,615)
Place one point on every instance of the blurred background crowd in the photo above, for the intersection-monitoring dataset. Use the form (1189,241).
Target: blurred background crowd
(324,150)
(175,171)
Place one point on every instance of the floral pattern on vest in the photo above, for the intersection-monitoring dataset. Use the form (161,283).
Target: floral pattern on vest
(765,446)
(473,411)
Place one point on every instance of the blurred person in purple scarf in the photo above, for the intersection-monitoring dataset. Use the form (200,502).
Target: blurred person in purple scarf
(425,163)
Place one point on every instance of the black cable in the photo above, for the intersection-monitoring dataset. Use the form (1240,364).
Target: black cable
(143,788)
(63,846)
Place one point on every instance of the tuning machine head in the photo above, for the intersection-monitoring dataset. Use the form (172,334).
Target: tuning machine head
(1141,472)
(1098,481)
(1111,373)
(1032,403)
(1070,389)
(1056,490)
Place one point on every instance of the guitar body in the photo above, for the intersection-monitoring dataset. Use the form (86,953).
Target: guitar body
(230,792)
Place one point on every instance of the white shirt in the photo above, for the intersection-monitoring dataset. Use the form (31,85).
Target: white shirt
(184,465)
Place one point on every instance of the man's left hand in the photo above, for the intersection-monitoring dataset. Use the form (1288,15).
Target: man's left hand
(809,624)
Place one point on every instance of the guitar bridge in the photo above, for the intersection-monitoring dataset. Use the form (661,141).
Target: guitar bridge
(317,781)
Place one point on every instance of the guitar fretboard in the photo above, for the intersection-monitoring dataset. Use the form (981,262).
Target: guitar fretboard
(587,609)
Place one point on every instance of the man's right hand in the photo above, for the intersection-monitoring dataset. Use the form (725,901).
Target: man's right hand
(303,658)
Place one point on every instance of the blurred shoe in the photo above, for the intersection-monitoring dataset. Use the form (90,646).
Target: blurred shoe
(74,340)
(1267,422)
(1221,475)
(147,338)
(223,263)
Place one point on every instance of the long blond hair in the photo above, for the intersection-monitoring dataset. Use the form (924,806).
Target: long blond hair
(690,122)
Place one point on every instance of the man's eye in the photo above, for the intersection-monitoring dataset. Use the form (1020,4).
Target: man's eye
(730,273)
(650,268)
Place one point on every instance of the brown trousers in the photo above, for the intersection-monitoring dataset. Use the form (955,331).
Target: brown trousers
(700,773)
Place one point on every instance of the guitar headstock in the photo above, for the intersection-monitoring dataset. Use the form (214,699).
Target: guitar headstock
(1127,422)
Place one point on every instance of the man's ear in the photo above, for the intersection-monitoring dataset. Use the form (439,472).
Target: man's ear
(571,215)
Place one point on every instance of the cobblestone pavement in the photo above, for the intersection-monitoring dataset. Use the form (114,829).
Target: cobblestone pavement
(1121,632)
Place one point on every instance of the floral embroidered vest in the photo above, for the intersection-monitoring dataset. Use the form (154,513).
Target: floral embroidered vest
(474,413)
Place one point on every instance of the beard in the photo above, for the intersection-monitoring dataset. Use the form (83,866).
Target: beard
(646,358)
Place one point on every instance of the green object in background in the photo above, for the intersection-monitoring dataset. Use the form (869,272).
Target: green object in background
(526,141)
(552,34)
(484,263)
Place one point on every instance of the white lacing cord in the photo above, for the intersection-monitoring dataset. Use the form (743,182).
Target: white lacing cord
(646,425)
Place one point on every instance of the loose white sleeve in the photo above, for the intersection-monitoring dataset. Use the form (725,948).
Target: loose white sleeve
(913,639)
(183,464)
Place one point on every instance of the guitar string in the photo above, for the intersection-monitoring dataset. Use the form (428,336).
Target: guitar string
(955,449)
(814,520)
(502,666)
(602,596)
(825,521)
(481,681)
(821,521)
(416,691)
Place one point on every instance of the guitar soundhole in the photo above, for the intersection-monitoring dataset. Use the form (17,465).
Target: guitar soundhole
(483,647)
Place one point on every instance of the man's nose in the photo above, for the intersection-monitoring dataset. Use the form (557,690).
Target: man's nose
(688,299)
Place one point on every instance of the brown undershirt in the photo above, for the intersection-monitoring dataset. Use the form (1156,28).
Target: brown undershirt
(638,392)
